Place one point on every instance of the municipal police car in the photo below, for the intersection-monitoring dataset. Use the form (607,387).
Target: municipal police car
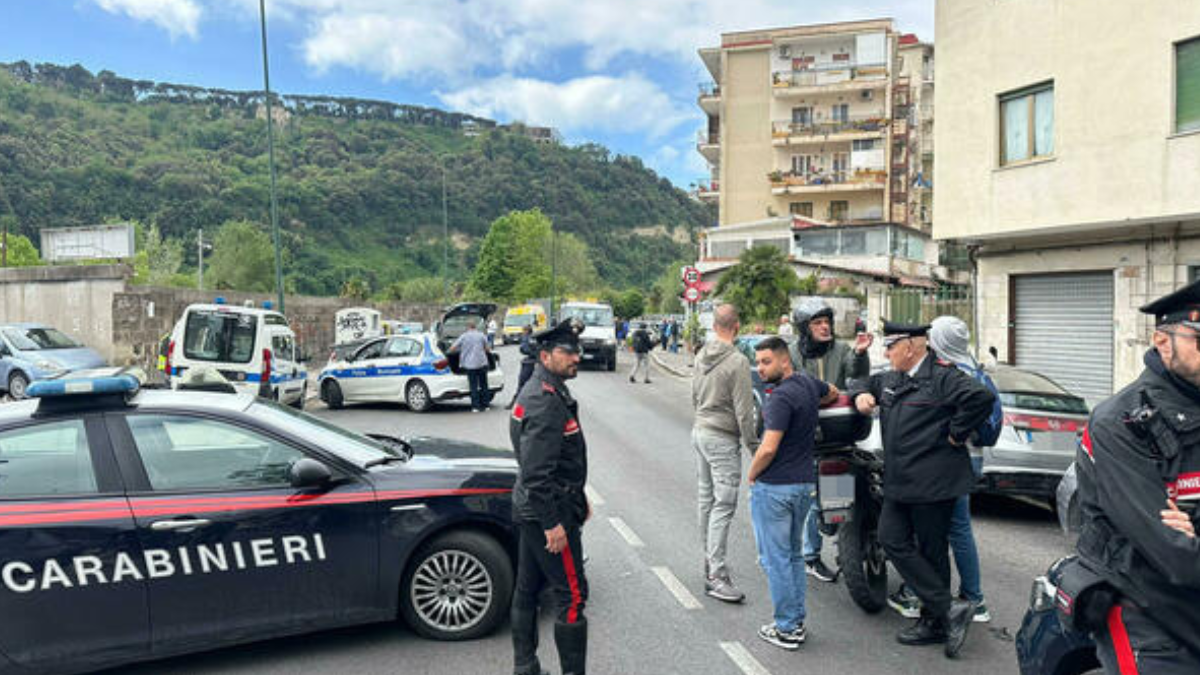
(140,524)
(413,369)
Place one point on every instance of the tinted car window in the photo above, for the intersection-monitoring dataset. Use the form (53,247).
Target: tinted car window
(192,453)
(219,336)
(371,351)
(46,459)
(1024,389)
(591,316)
(281,345)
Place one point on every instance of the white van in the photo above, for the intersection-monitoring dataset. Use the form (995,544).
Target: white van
(356,323)
(599,338)
(251,347)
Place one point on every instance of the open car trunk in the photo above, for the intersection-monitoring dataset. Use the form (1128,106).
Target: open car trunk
(454,324)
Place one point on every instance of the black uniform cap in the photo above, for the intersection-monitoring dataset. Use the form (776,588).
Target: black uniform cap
(563,336)
(1182,306)
(895,332)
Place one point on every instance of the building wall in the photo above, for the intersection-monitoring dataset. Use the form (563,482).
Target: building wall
(1142,271)
(746,152)
(74,299)
(863,205)
(1115,155)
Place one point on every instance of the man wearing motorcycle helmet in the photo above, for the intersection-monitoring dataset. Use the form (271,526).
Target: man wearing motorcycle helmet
(818,352)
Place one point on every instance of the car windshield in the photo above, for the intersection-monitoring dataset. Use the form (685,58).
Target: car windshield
(591,316)
(342,442)
(520,320)
(1031,391)
(224,337)
(37,339)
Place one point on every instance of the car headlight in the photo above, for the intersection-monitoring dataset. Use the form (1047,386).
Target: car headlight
(1041,596)
(48,366)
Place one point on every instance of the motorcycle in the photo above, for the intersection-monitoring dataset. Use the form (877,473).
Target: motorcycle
(850,499)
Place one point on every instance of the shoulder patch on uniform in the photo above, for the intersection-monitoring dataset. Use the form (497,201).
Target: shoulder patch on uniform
(549,388)
(571,428)
(518,412)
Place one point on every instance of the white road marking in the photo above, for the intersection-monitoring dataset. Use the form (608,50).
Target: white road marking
(593,496)
(738,653)
(630,536)
(673,584)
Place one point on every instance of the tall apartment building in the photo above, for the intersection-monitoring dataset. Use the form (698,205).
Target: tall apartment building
(819,138)
(1068,138)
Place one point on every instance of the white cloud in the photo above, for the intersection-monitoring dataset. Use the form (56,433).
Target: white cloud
(177,17)
(629,104)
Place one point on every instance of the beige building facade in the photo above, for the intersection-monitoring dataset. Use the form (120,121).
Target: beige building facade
(1068,137)
(815,121)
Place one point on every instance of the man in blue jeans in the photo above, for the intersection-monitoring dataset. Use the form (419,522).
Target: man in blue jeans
(782,477)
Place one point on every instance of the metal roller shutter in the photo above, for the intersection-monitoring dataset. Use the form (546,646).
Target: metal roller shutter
(1064,330)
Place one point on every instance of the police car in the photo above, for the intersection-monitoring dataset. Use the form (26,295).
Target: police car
(253,348)
(413,369)
(141,524)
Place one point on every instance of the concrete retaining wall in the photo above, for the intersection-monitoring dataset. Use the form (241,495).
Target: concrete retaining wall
(77,300)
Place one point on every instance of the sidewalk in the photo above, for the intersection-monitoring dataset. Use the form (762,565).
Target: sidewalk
(679,365)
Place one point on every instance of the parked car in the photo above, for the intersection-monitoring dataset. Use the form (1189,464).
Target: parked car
(144,524)
(32,351)
(1044,647)
(416,370)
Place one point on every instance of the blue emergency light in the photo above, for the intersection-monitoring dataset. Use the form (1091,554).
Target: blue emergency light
(267,304)
(84,383)
(219,301)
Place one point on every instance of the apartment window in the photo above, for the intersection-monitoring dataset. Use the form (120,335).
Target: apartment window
(1193,273)
(866,144)
(854,243)
(841,161)
(839,210)
(1027,124)
(1187,85)
(802,115)
(801,209)
(803,164)
(840,112)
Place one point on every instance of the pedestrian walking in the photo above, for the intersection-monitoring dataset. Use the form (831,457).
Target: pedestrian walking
(664,334)
(785,327)
(549,505)
(928,411)
(528,361)
(725,422)
(782,479)
(818,352)
(474,359)
(1139,486)
(641,350)
(491,333)
(675,332)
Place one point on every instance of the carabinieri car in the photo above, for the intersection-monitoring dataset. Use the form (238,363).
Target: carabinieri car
(136,525)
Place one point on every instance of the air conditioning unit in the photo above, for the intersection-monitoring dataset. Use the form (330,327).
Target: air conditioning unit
(867,94)
(785,51)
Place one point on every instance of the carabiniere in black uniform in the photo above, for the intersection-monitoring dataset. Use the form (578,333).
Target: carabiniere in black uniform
(552,456)
(1141,448)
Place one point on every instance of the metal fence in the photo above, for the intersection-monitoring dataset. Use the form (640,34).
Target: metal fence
(922,305)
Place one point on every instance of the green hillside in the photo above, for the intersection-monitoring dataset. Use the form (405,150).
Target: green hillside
(359,182)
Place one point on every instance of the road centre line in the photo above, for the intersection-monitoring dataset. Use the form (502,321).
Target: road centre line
(629,535)
(593,496)
(738,653)
(673,584)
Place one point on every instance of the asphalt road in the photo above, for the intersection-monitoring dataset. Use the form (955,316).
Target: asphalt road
(648,614)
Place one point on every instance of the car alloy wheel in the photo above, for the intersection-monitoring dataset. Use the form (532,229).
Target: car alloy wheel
(452,590)
(17,384)
(416,396)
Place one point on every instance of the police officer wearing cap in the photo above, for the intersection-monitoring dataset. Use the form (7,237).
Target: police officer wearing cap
(549,505)
(1139,487)
(928,409)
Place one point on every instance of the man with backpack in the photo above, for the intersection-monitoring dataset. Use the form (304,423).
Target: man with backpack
(641,348)
(950,339)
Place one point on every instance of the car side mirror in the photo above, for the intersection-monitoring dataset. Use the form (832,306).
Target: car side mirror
(308,473)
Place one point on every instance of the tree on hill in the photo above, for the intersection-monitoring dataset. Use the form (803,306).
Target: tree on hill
(243,258)
(21,251)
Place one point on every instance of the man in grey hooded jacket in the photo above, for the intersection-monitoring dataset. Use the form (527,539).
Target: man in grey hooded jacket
(725,421)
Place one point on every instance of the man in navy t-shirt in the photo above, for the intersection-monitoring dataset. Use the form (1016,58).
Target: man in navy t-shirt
(782,477)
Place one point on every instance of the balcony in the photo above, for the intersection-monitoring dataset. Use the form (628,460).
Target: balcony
(710,98)
(843,77)
(709,145)
(861,180)
(708,193)
(855,128)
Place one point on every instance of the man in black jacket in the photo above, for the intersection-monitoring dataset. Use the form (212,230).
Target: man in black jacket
(928,410)
(549,506)
(1139,487)
(529,359)
(642,344)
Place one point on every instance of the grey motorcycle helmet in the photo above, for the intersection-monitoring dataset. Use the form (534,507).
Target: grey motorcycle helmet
(808,310)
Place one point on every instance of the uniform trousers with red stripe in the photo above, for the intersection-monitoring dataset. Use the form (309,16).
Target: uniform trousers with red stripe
(1132,644)
(563,576)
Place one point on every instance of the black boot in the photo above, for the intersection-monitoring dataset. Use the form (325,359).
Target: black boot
(927,630)
(571,640)
(525,643)
(958,620)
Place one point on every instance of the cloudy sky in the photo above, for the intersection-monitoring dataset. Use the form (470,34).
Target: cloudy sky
(623,73)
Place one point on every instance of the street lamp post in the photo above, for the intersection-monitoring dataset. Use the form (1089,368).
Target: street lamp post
(445,239)
(262,15)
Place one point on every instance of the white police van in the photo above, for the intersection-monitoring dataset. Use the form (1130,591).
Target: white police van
(253,348)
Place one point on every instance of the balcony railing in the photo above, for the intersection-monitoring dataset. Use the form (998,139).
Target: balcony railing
(707,138)
(859,177)
(840,74)
(709,89)
(855,123)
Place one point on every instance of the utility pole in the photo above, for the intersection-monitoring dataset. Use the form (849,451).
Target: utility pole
(4,244)
(553,269)
(200,259)
(445,239)
(262,15)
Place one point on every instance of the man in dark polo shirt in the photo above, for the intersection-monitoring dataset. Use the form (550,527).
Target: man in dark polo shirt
(782,477)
